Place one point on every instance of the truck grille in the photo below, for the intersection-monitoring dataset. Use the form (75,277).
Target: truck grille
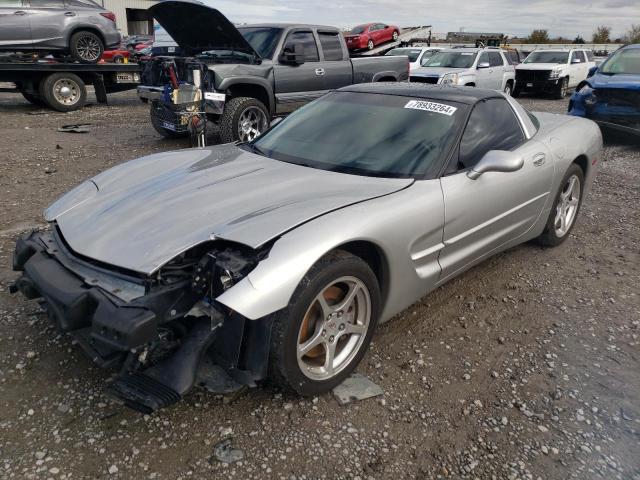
(619,98)
(431,80)
(532,76)
(174,117)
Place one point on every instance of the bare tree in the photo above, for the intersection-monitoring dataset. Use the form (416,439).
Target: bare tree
(601,35)
(633,35)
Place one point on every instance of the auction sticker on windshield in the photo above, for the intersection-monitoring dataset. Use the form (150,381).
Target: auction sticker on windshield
(431,107)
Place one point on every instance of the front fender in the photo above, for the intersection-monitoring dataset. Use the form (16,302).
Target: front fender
(406,227)
(265,84)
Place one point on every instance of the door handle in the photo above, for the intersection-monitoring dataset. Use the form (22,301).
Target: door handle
(319,71)
(70,14)
(539,159)
(20,12)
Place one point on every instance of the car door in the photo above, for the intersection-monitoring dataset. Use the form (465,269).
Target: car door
(48,20)
(577,67)
(497,70)
(295,85)
(14,24)
(338,71)
(484,77)
(482,215)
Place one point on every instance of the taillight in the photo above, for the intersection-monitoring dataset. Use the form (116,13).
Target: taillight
(110,15)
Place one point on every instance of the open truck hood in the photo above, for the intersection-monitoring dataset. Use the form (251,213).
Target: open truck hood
(143,213)
(197,28)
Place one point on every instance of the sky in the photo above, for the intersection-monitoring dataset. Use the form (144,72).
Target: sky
(568,18)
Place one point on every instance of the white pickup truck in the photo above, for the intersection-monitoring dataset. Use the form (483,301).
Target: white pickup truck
(554,71)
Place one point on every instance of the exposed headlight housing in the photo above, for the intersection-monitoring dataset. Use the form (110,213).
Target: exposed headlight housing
(449,79)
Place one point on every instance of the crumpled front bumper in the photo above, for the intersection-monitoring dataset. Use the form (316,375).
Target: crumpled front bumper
(623,119)
(105,326)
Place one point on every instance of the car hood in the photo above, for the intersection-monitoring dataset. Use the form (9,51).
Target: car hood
(617,80)
(197,28)
(141,214)
(539,66)
(436,71)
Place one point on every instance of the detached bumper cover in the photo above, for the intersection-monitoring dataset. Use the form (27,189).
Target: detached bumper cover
(104,325)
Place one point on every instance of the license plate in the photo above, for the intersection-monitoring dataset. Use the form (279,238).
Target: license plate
(529,84)
(127,78)
(169,126)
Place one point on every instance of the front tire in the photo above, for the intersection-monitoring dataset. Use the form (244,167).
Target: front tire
(508,89)
(63,92)
(86,47)
(395,36)
(563,88)
(243,120)
(566,207)
(370,45)
(321,336)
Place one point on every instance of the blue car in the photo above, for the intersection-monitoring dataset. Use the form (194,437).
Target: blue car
(611,93)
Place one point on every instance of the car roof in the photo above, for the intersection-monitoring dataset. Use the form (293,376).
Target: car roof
(466,95)
(289,25)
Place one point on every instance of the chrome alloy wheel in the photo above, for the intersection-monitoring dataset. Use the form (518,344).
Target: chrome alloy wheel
(334,328)
(88,48)
(252,122)
(66,91)
(567,207)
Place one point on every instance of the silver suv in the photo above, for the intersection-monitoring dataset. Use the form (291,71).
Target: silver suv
(476,67)
(80,28)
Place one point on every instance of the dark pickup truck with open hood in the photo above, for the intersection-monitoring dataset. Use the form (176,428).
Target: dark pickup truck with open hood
(245,76)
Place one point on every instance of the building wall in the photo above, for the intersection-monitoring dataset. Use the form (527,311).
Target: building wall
(119,7)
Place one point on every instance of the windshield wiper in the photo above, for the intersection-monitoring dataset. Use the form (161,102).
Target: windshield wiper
(253,149)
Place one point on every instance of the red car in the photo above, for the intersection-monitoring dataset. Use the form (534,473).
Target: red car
(370,35)
(114,56)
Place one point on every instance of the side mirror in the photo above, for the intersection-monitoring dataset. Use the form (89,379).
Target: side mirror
(496,161)
(592,72)
(292,55)
(483,65)
(276,121)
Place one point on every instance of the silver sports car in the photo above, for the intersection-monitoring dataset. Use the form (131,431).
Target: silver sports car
(275,259)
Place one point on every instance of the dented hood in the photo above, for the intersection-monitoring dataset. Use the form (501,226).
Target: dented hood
(197,28)
(141,214)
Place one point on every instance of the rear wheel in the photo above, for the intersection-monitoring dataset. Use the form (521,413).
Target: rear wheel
(565,209)
(321,336)
(243,120)
(370,45)
(395,36)
(64,92)
(86,47)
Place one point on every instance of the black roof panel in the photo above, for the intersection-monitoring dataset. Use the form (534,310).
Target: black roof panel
(467,95)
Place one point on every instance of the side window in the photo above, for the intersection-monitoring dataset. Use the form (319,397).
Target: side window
(331,46)
(495,60)
(492,126)
(484,58)
(590,57)
(578,55)
(308,44)
(47,4)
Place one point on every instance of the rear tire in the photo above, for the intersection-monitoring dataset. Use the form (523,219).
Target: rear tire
(565,210)
(237,112)
(395,35)
(86,47)
(325,328)
(63,92)
(370,45)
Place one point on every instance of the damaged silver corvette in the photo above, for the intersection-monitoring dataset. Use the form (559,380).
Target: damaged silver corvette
(275,259)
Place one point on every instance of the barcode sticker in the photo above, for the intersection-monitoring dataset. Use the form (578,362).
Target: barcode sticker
(431,107)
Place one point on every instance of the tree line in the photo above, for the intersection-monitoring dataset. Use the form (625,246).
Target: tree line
(601,35)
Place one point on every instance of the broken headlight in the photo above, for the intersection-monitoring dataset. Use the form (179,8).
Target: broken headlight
(219,270)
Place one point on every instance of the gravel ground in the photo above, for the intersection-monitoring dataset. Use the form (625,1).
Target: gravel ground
(525,367)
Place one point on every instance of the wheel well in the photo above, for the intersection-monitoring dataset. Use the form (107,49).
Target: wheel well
(248,90)
(89,29)
(374,257)
(583,162)
(470,84)
(510,82)
(387,79)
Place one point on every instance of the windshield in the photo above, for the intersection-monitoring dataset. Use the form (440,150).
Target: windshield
(358,30)
(623,61)
(263,40)
(366,134)
(547,57)
(427,55)
(451,59)
(412,53)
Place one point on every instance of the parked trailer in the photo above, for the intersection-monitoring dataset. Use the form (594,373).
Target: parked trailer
(62,86)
